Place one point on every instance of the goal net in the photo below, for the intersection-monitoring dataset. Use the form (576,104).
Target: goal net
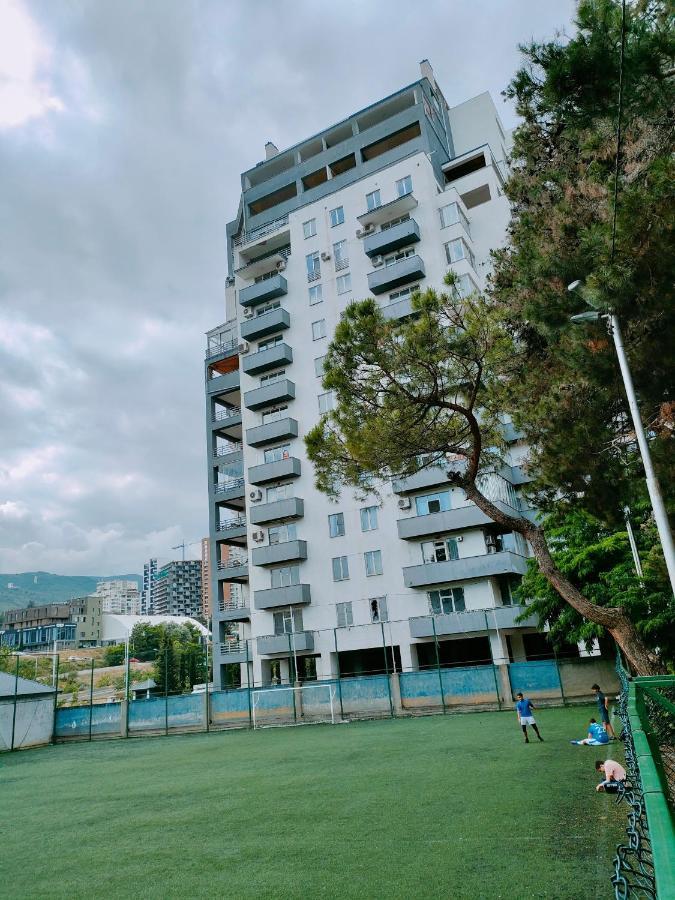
(293,705)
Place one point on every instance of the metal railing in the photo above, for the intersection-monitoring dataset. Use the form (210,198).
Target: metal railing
(230,413)
(232,605)
(234,447)
(232,647)
(224,486)
(341,264)
(314,276)
(644,865)
(230,524)
(234,562)
(255,234)
(222,347)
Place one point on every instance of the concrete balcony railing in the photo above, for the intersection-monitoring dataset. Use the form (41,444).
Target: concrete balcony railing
(292,595)
(255,363)
(296,642)
(270,394)
(450,520)
(271,431)
(483,566)
(223,384)
(290,508)
(391,239)
(262,291)
(233,651)
(388,278)
(273,554)
(470,621)
(274,471)
(234,611)
(233,570)
(399,309)
(274,320)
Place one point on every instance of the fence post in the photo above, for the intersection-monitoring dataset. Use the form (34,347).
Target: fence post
(166,689)
(438,664)
(126,691)
(291,659)
(339,676)
(248,689)
(16,691)
(56,697)
(207,710)
(91,696)
(557,668)
(386,671)
(494,673)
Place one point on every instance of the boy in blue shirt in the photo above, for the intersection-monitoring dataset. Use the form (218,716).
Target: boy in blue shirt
(524,708)
(596,735)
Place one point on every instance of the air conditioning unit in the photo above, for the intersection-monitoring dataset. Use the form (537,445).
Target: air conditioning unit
(404,503)
(243,348)
(378,261)
(325,255)
(365,231)
(249,313)
(360,232)
(255,496)
(229,281)
(281,265)
(258,536)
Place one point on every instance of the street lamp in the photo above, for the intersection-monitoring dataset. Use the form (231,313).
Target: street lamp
(660,515)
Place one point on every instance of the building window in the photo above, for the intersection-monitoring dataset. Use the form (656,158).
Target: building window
(318,366)
(447,600)
(368,518)
(403,292)
(432,503)
(276,454)
(344,283)
(404,186)
(268,343)
(318,329)
(285,576)
(378,609)
(280,534)
(340,255)
(392,222)
(337,216)
(288,621)
(344,614)
(464,286)
(265,308)
(274,414)
(340,568)
(336,524)
(271,377)
(441,550)
(453,214)
(315,294)
(393,258)
(373,200)
(313,261)
(373,562)
(459,249)
(279,492)
(326,402)
(309,228)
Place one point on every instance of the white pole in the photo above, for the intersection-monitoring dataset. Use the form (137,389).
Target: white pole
(54,660)
(660,515)
(633,545)
(295,655)
(126,668)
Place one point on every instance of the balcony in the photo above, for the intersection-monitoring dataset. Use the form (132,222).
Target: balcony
(269,394)
(470,621)
(287,551)
(230,492)
(223,384)
(399,309)
(270,236)
(271,431)
(388,211)
(296,642)
(229,454)
(233,570)
(255,363)
(261,291)
(292,595)
(227,423)
(274,471)
(232,531)
(290,508)
(234,611)
(430,476)
(274,320)
(391,239)
(233,652)
(450,520)
(483,566)
(388,278)
(218,351)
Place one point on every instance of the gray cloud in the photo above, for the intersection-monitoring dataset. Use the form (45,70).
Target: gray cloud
(112,224)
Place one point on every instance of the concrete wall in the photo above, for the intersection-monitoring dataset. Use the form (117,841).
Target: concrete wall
(32,723)
(73,721)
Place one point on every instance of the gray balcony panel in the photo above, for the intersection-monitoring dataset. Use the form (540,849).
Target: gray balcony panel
(232,531)
(238,573)
(233,613)
(261,291)
(428,477)
(287,551)
(234,652)
(230,493)
(269,394)
(274,471)
(275,320)
(228,426)
(388,278)
(286,643)
(399,309)
(442,522)
(290,508)
(272,431)
(293,595)
(473,620)
(391,239)
(224,384)
(254,363)
(482,566)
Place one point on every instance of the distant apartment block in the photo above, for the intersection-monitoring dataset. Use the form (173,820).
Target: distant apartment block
(119,596)
(178,589)
(147,592)
(207,604)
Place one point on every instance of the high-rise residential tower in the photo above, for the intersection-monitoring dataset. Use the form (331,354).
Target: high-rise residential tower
(379,205)
(177,589)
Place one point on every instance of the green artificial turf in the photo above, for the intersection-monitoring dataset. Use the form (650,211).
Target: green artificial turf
(444,807)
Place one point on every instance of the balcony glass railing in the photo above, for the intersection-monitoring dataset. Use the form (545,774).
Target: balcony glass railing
(255,234)
(230,413)
(232,524)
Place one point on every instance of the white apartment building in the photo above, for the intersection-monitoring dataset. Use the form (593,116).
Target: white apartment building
(379,205)
(119,596)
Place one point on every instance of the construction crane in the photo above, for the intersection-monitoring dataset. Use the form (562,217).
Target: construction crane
(183,545)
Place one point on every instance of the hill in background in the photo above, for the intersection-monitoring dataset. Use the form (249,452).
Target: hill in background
(43,587)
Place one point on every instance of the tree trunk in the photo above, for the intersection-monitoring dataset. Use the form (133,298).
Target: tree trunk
(640,659)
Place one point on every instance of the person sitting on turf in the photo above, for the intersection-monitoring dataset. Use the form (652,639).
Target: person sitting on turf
(603,709)
(524,709)
(596,735)
(615,775)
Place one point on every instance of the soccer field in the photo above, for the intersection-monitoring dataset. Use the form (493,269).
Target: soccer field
(447,807)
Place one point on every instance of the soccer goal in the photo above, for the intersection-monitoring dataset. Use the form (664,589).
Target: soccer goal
(293,705)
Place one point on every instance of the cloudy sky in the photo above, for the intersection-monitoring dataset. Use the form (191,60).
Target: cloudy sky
(124,125)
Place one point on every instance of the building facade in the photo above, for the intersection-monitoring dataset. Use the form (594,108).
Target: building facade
(178,589)
(76,623)
(379,205)
(119,596)
(207,604)
(148,591)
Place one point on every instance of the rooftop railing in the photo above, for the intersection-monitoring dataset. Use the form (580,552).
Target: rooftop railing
(247,237)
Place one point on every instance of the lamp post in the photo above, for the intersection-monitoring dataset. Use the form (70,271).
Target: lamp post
(660,515)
